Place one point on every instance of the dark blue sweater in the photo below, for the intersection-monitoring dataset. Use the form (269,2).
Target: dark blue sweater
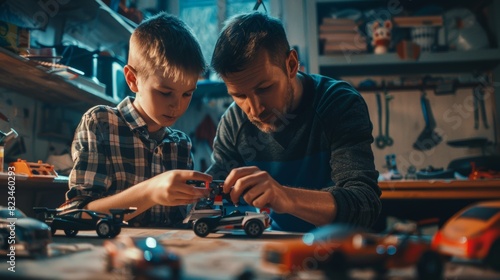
(325,144)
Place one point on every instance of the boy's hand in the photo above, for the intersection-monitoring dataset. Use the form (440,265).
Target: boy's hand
(171,189)
(257,187)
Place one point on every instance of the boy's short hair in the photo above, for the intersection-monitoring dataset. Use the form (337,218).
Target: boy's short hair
(164,42)
(242,38)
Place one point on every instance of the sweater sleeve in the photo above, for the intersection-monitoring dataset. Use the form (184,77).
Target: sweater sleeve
(225,154)
(356,188)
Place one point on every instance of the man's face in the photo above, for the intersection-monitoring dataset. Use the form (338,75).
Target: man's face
(263,91)
(161,101)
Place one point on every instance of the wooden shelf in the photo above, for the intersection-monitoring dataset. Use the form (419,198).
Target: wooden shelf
(391,64)
(28,78)
(387,64)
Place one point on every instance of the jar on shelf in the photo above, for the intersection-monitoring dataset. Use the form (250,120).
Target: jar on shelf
(424,36)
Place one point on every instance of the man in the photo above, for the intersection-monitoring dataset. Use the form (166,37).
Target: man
(296,143)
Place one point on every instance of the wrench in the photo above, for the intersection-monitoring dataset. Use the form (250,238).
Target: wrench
(479,106)
(388,140)
(380,139)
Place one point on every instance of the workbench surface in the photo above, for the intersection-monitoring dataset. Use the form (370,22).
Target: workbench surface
(218,256)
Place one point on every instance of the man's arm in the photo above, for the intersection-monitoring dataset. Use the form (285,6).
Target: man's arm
(356,190)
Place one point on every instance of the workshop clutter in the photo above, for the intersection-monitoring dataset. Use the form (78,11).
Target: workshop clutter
(378,30)
(421,123)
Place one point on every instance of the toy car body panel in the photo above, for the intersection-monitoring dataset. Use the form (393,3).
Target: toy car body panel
(472,233)
(31,235)
(143,257)
(253,223)
(72,221)
(196,214)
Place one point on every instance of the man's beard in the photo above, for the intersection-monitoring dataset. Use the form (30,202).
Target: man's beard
(277,121)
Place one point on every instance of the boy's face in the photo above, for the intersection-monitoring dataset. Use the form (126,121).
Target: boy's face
(263,91)
(159,100)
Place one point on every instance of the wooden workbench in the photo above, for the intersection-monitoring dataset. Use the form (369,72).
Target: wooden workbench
(423,199)
(441,189)
(218,256)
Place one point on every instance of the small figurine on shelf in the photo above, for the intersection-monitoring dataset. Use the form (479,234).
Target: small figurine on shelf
(381,36)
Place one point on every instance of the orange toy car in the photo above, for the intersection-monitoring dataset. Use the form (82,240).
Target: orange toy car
(337,248)
(472,233)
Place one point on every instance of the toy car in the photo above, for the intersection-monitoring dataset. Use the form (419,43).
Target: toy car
(143,257)
(472,233)
(31,236)
(252,222)
(72,221)
(336,248)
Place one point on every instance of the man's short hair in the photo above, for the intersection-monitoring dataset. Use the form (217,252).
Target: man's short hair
(164,42)
(243,37)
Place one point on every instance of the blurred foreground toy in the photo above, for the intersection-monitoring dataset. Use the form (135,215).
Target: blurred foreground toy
(472,233)
(26,235)
(72,221)
(337,248)
(142,257)
(482,173)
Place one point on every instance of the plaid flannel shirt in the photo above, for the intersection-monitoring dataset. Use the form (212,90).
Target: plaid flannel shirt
(112,151)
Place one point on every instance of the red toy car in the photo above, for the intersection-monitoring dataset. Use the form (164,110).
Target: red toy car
(337,248)
(472,233)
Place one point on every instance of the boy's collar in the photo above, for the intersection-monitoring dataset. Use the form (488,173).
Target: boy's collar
(130,114)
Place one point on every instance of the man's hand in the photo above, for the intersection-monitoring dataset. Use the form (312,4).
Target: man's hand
(170,188)
(260,190)
(257,188)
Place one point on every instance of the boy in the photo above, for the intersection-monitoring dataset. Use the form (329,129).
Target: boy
(128,156)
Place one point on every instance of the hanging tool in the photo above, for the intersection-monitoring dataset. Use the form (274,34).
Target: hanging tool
(380,139)
(388,140)
(428,138)
(478,93)
(258,3)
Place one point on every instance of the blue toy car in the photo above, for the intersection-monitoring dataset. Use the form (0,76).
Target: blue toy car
(27,235)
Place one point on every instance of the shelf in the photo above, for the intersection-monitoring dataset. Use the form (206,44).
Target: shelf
(391,64)
(91,22)
(28,78)
(353,64)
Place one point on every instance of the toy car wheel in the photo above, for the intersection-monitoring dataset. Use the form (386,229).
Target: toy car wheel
(430,266)
(3,241)
(336,267)
(493,257)
(71,232)
(254,228)
(116,231)
(108,263)
(104,229)
(380,269)
(201,228)
(42,252)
